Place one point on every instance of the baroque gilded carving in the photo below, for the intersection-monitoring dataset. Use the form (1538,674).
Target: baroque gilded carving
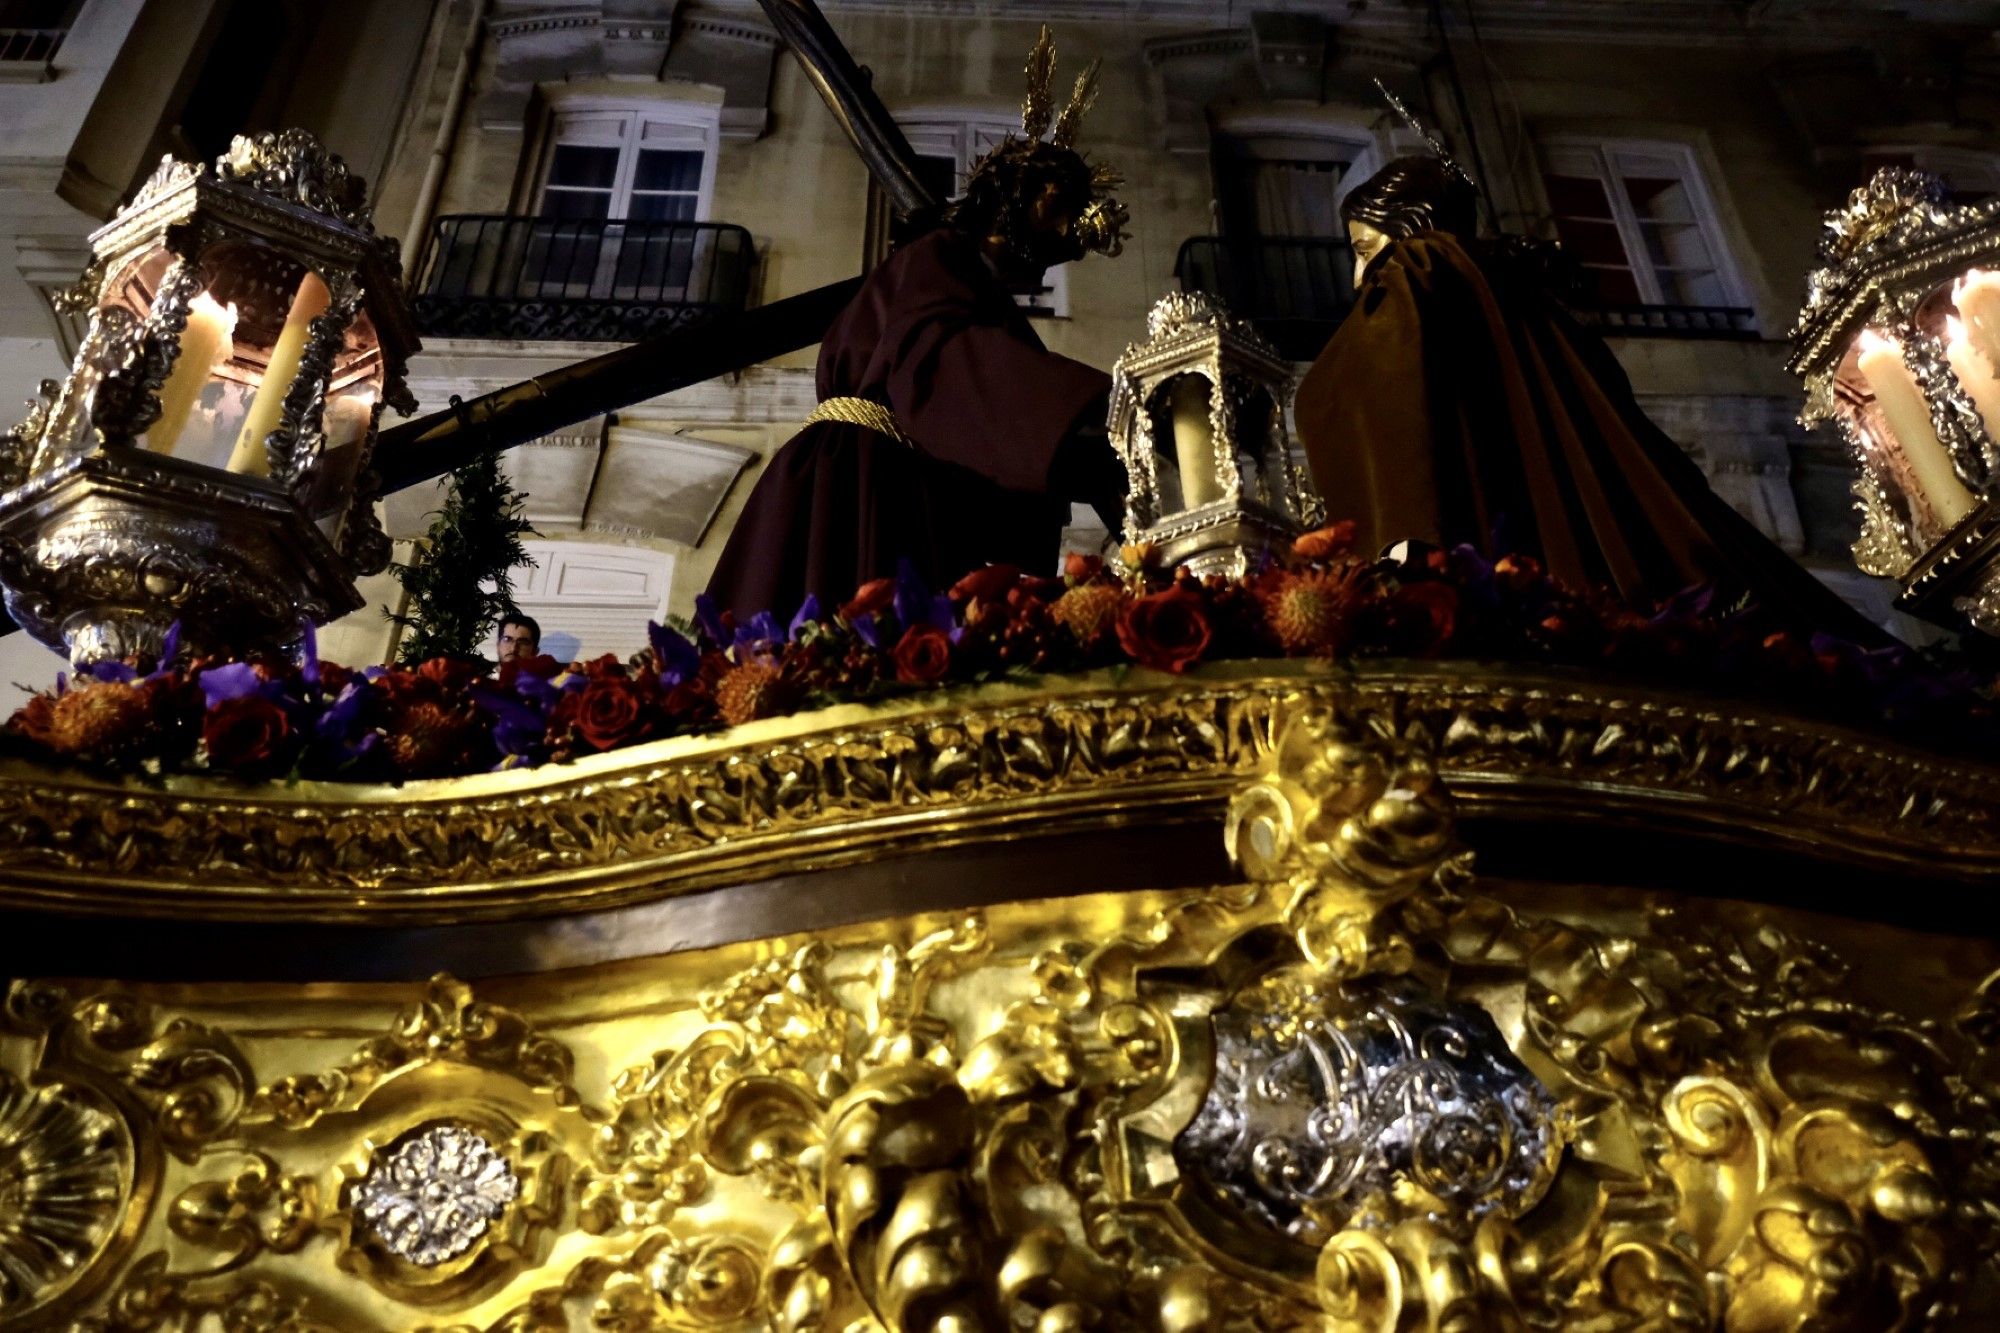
(1353,1091)
(649,821)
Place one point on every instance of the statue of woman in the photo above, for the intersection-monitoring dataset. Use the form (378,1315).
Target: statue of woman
(1460,403)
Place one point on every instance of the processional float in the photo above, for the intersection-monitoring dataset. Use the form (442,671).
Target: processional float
(1381,995)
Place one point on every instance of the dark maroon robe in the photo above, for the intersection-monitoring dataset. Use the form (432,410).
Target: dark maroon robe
(935,337)
(1457,401)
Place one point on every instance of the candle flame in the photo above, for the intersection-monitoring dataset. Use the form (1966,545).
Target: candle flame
(1871,341)
(206,307)
(1954,329)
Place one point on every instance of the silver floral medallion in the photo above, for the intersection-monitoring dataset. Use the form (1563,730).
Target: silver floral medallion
(1331,1109)
(431,1197)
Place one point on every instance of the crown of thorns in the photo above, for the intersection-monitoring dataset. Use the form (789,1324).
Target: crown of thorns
(1102,225)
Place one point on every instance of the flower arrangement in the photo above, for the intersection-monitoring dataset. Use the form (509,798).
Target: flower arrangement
(274,717)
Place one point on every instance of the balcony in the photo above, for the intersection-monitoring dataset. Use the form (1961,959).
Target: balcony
(1297,289)
(578,280)
(26,53)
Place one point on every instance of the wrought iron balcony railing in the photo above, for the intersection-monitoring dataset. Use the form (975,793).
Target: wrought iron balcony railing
(494,276)
(1297,289)
(1671,321)
(31,45)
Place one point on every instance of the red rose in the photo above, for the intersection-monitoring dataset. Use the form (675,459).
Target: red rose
(986,585)
(875,595)
(247,735)
(611,711)
(1168,631)
(1325,543)
(1426,615)
(923,655)
(607,667)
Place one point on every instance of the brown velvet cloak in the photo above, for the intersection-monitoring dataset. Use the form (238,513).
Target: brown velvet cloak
(933,335)
(1453,401)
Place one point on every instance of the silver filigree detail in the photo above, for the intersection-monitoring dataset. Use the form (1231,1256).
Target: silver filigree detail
(1179,313)
(433,1196)
(294,166)
(1884,548)
(1953,415)
(1982,608)
(1313,1119)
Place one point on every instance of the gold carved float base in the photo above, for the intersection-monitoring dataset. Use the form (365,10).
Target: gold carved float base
(1353,1090)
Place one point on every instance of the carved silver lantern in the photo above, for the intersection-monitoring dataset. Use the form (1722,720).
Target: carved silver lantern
(1899,347)
(207,459)
(1197,415)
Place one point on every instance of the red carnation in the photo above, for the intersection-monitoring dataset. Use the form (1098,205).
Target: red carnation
(875,595)
(246,736)
(1325,543)
(1168,631)
(923,655)
(428,739)
(451,675)
(611,711)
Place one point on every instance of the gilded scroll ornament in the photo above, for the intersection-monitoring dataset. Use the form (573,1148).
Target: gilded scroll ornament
(66,1172)
(1354,1091)
(676,816)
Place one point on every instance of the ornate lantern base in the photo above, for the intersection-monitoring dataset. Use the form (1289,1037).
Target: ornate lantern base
(1217,538)
(103,554)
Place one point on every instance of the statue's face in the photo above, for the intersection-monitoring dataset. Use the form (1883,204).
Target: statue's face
(1368,243)
(1044,234)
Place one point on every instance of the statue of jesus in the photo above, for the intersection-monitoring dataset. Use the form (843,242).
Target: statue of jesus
(946,435)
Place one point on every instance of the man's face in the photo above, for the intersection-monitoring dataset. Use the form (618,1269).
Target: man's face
(516,644)
(1368,242)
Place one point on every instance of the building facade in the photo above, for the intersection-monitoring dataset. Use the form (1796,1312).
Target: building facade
(570,174)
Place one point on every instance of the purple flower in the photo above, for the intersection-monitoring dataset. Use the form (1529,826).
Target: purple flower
(170,648)
(708,620)
(678,658)
(117,671)
(868,629)
(913,599)
(761,632)
(344,712)
(807,614)
(518,728)
(308,654)
(233,681)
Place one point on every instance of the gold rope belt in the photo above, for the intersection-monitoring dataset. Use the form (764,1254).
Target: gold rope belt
(860,412)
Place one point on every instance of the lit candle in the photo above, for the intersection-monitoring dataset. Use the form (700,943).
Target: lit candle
(1975,374)
(249,456)
(1194,441)
(1909,417)
(205,344)
(1977,296)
